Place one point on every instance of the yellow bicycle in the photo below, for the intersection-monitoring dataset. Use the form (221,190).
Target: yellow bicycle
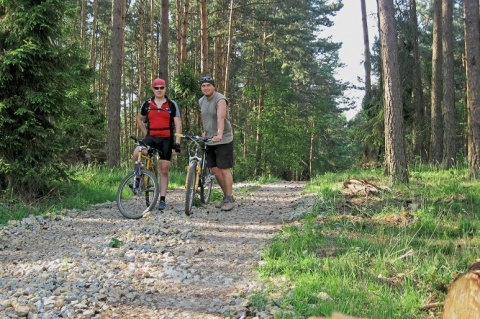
(199,177)
(139,191)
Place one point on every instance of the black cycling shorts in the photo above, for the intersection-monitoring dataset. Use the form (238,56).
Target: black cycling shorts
(220,155)
(163,144)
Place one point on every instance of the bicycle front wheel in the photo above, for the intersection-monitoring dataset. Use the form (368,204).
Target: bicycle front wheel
(206,182)
(133,202)
(191,175)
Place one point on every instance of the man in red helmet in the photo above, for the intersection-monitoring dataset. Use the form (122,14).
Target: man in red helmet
(159,119)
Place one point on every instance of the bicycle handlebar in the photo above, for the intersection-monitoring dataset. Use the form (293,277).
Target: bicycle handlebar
(140,143)
(196,138)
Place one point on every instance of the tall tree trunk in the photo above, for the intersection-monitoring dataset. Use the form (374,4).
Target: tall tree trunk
(396,164)
(472,61)
(105,49)
(229,49)
(179,16)
(448,100)
(153,70)
(142,65)
(126,119)
(312,146)
(93,44)
(115,82)
(367,63)
(419,130)
(204,43)
(259,168)
(436,140)
(219,60)
(183,51)
(83,23)
(163,72)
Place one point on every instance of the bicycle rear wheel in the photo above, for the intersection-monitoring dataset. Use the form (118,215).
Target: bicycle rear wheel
(132,202)
(206,182)
(191,175)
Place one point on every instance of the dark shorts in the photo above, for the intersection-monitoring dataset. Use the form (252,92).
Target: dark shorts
(220,156)
(163,144)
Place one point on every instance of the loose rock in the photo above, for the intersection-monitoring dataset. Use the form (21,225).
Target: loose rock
(165,265)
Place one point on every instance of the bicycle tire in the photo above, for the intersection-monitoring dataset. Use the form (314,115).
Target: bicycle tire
(150,192)
(134,206)
(191,175)
(206,183)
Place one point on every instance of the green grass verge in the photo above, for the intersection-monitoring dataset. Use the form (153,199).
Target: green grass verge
(376,256)
(88,185)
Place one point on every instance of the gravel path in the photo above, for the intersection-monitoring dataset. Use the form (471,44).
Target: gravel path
(167,266)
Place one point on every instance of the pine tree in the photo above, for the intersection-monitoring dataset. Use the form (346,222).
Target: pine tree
(42,82)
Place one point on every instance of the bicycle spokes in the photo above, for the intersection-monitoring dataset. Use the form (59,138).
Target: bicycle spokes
(209,178)
(143,198)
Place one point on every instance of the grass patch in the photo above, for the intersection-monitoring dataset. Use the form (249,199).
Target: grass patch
(381,255)
(88,185)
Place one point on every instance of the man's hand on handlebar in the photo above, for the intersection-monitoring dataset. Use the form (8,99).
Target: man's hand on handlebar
(216,138)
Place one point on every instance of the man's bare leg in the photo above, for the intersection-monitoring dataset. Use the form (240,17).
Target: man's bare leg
(225,180)
(164,168)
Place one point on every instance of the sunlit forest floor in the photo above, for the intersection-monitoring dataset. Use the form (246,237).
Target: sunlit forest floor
(367,248)
(375,251)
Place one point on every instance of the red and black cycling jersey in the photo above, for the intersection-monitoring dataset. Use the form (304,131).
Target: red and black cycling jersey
(159,119)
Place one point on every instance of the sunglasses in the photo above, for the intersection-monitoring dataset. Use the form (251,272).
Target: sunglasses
(206,79)
(159,88)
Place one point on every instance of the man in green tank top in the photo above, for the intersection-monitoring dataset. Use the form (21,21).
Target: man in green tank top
(219,151)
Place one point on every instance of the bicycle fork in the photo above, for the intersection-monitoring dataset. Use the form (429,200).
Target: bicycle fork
(138,177)
(197,174)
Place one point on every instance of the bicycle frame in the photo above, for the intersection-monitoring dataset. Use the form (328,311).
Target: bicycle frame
(198,176)
(194,158)
(139,190)
(147,158)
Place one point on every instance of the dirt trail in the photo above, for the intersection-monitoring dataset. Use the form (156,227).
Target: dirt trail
(167,265)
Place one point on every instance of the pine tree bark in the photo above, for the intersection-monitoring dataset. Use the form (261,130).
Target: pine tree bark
(367,63)
(178,22)
(183,51)
(83,22)
(259,168)
(436,140)
(142,65)
(204,67)
(229,49)
(153,59)
(114,88)
(219,60)
(163,72)
(419,130)
(395,160)
(93,43)
(472,61)
(448,99)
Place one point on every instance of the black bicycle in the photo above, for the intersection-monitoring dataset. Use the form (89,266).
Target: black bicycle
(199,177)
(139,191)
